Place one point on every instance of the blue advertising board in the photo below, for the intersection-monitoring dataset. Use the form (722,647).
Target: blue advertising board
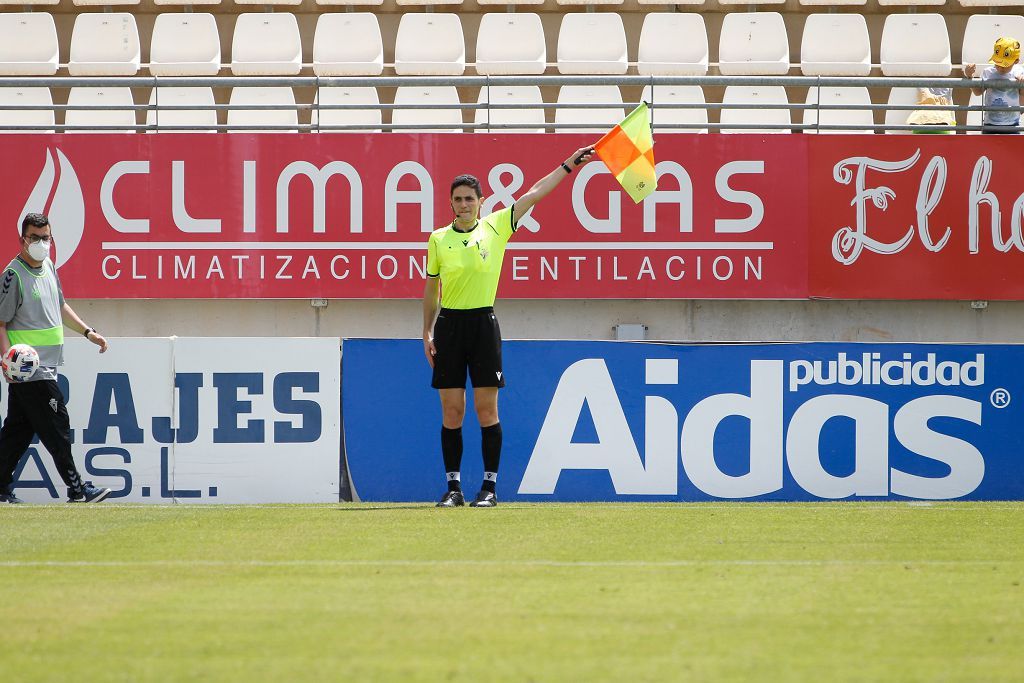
(627,421)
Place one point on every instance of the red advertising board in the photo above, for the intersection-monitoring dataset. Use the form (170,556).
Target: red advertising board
(347,216)
(917,217)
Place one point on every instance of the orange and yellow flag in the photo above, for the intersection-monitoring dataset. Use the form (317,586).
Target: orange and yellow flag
(628,152)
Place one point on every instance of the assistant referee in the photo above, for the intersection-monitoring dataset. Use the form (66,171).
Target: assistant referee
(464,265)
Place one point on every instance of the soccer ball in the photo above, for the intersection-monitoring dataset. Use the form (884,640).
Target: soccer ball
(20,362)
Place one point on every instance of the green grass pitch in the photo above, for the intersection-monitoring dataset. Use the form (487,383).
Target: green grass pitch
(547,592)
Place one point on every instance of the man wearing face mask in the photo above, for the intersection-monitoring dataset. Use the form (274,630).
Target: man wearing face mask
(33,312)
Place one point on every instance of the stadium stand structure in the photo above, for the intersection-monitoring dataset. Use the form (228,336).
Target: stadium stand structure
(378,38)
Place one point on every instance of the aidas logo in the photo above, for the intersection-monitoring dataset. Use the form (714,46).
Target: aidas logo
(58,194)
(786,430)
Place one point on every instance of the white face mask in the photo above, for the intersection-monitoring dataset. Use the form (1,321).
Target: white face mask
(39,251)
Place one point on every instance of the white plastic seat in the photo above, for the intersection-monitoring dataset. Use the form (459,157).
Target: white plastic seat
(262,3)
(832,3)
(512,3)
(909,3)
(592,44)
(763,95)
(430,45)
(982,31)
(26,117)
(915,45)
(576,3)
(975,118)
(991,3)
(898,117)
(28,3)
(104,3)
(185,3)
(838,117)
(185,45)
(97,117)
(28,44)
(753,43)
(348,44)
(425,3)
(443,120)
(510,43)
(167,120)
(669,2)
(835,45)
(526,120)
(266,44)
(673,43)
(601,119)
(370,116)
(667,120)
(346,3)
(263,117)
(104,45)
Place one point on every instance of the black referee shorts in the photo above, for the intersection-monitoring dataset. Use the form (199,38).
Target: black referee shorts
(470,340)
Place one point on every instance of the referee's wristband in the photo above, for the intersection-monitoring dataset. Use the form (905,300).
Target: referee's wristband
(566,167)
(88,331)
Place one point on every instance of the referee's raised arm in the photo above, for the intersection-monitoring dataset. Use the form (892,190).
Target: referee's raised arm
(549,182)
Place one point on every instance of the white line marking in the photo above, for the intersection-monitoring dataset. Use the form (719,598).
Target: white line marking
(752,506)
(631,564)
(422,246)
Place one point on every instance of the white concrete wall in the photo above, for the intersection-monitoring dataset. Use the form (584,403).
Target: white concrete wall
(918,321)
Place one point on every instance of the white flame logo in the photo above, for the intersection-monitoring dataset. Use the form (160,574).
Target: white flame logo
(66,207)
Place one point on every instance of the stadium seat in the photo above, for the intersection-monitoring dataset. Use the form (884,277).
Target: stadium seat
(268,3)
(510,3)
(761,95)
(266,44)
(991,3)
(185,3)
(669,2)
(445,120)
(915,45)
(28,44)
(370,116)
(110,117)
(983,30)
(674,44)
(430,45)
(898,117)
(349,3)
(664,120)
(832,3)
(592,44)
(104,44)
(600,119)
(426,3)
(104,3)
(974,118)
(167,120)
(348,44)
(263,117)
(185,45)
(530,120)
(753,43)
(571,3)
(748,4)
(25,117)
(838,117)
(835,45)
(28,3)
(510,43)
(909,3)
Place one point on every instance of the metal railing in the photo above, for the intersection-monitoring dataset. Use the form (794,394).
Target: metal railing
(485,83)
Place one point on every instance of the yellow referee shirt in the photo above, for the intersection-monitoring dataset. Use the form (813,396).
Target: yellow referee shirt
(469,263)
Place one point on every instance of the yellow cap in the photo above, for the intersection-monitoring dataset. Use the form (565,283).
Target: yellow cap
(1006,52)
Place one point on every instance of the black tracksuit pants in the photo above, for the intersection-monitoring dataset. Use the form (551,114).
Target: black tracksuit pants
(37,408)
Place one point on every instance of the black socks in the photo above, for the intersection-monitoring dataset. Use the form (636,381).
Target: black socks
(451,451)
(491,446)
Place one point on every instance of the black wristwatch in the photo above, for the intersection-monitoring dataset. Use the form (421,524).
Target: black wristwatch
(566,167)
(88,330)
